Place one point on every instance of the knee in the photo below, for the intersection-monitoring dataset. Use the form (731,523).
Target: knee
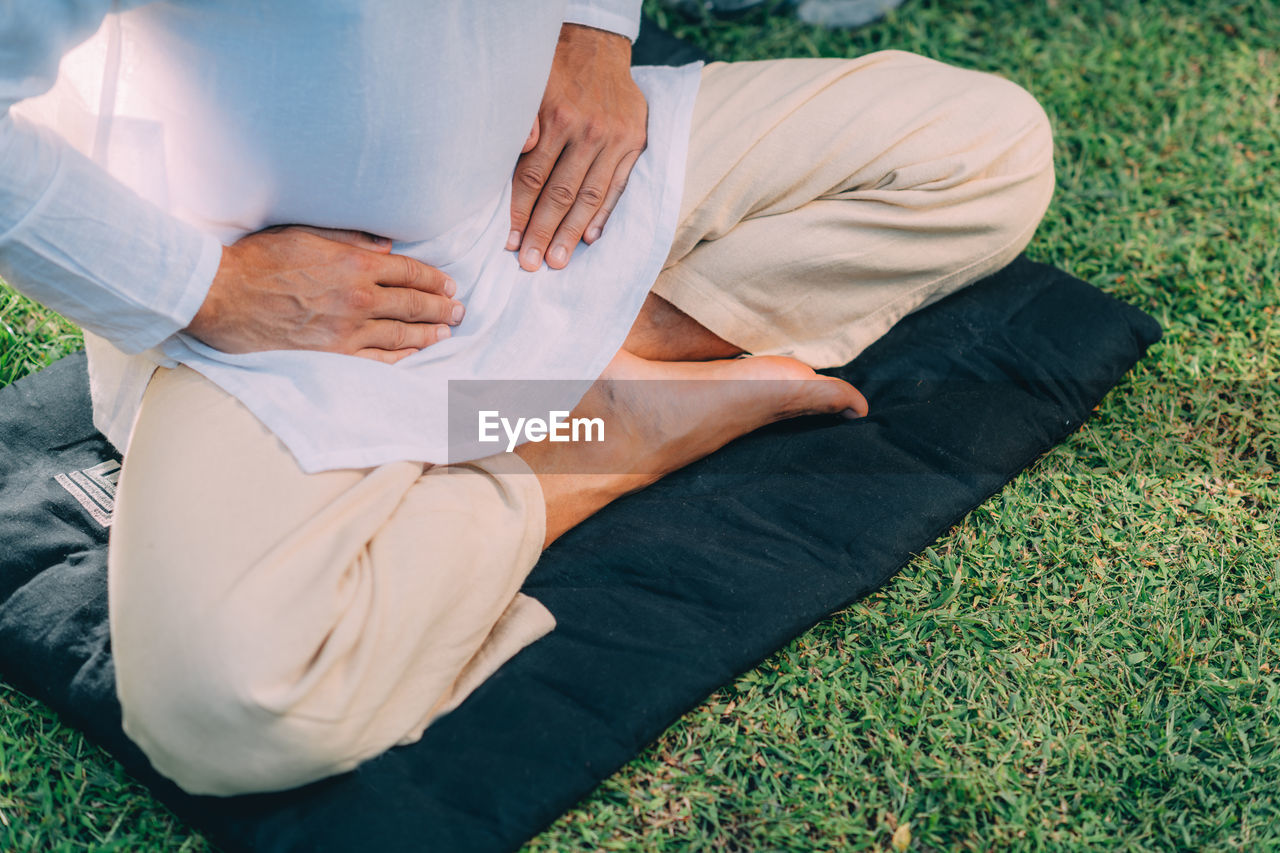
(978,100)
(1014,114)
(1002,155)
(987,124)
(1021,169)
(193,704)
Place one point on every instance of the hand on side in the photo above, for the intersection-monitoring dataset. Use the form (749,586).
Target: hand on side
(590,130)
(298,287)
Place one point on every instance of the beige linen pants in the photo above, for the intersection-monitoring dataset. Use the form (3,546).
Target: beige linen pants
(271,627)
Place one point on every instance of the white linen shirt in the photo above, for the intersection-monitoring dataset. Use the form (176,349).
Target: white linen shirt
(177,127)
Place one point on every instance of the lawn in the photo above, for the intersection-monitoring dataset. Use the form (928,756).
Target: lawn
(1092,658)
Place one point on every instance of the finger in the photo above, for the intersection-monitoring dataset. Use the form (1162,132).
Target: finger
(558,197)
(413,306)
(532,171)
(513,239)
(529,143)
(591,196)
(359,239)
(385,356)
(404,271)
(616,187)
(394,336)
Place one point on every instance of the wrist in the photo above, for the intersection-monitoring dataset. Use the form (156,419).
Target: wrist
(591,41)
(206,316)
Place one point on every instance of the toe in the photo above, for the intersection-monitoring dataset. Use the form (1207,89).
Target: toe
(837,397)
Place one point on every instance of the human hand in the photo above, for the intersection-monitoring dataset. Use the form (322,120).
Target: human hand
(588,135)
(298,287)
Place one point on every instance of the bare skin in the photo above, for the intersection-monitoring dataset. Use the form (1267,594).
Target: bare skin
(694,402)
(683,412)
(662,332)
(299,287)
(590,130)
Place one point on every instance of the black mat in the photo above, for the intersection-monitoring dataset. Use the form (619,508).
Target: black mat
(660,599)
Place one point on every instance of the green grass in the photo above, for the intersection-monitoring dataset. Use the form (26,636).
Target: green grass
(1092,659)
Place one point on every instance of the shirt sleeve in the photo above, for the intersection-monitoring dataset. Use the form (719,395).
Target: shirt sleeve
(71,236)
(615,16)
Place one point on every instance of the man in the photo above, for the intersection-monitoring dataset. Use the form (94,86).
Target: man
(294,585)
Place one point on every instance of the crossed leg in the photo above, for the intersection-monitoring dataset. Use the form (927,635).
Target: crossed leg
(272,627)
(827,198)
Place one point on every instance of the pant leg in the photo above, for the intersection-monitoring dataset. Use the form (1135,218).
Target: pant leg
(826,198)
(272,627)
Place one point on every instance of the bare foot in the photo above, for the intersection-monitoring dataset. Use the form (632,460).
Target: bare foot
(662,332)
(659,416)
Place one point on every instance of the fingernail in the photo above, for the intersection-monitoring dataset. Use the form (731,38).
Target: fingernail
(443,332)
(593,233)
(851,414)
(531,259)
(557,255)
(513,241)
(458,311)
(450,287)
(379,241)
